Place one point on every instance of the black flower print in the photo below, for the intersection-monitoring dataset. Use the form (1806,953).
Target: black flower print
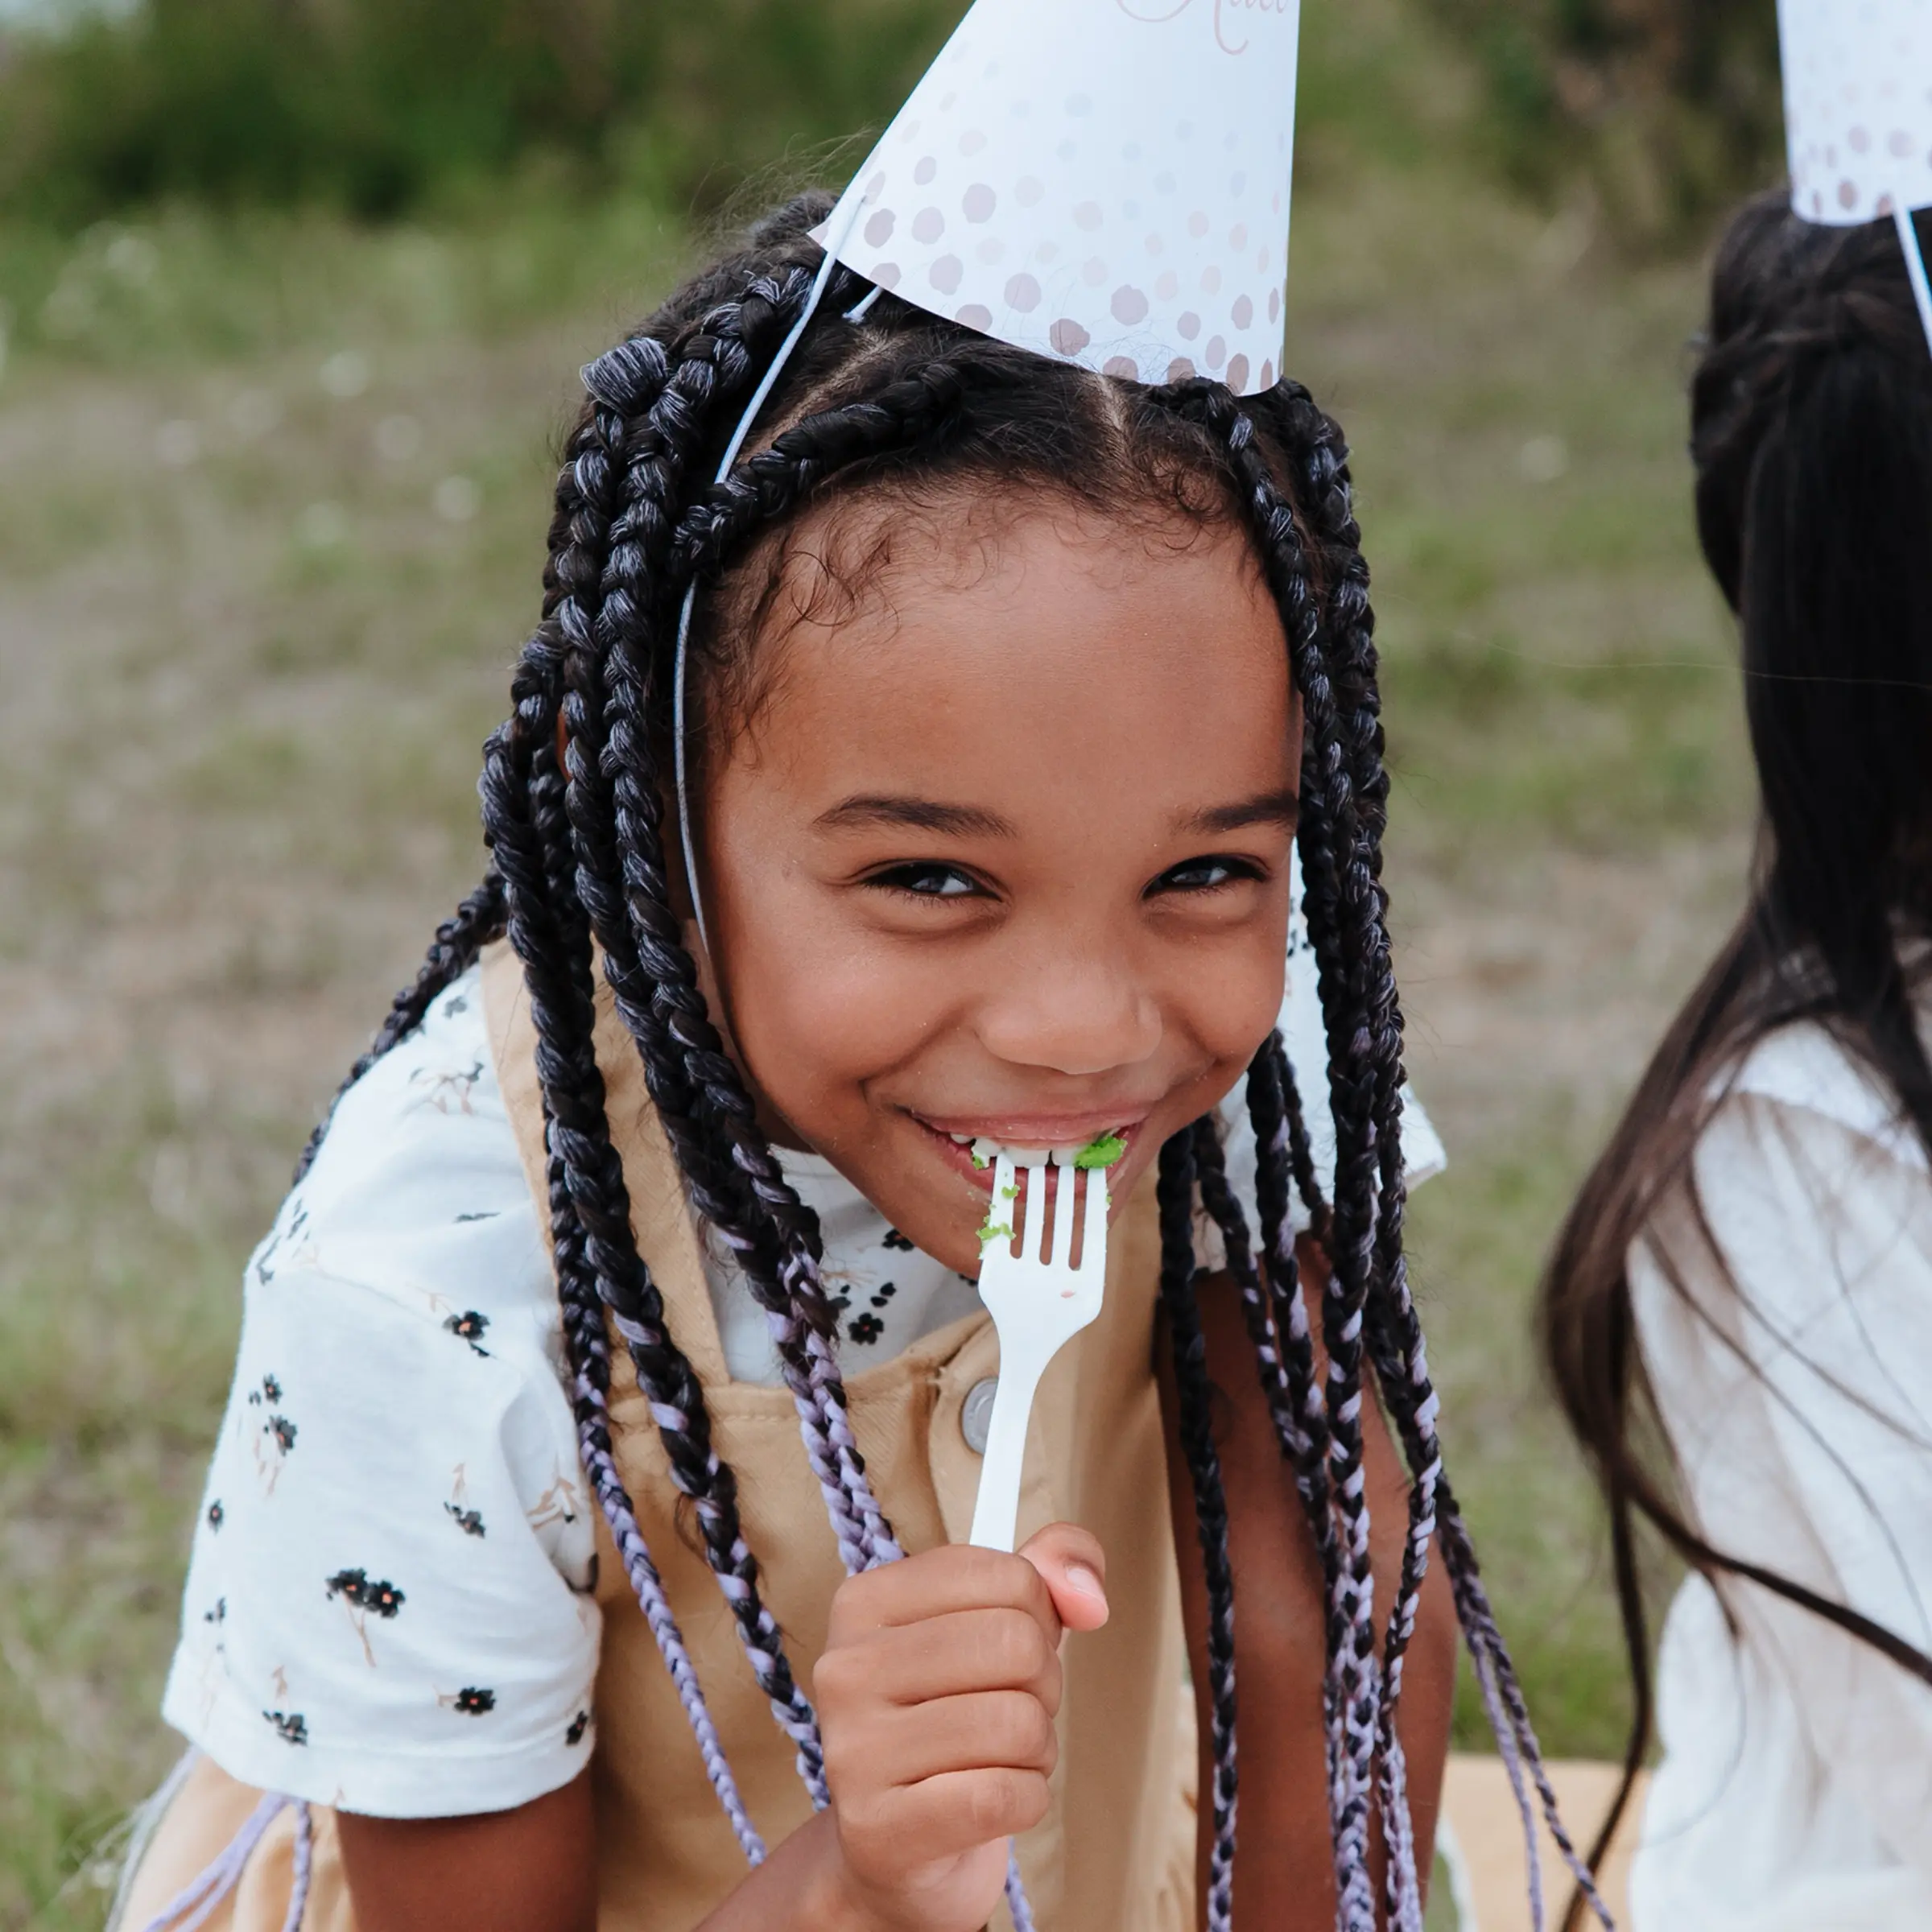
(445,1091)
(290,1227)
(276,1437)
(482,1214)
(456,1003)
(896,1241)
(219,1614)
(579,1725)
(354,1587)
(363,1599)
(217,1515)
(291,1727)
(469,1521)
(470,1326)
(867,1328)
(887,1290)
(472,1701)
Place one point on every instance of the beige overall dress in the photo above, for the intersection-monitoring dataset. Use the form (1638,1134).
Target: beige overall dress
(1116,1851)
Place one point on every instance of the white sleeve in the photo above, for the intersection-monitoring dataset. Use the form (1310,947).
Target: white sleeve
(1812,1456)
(389,1604)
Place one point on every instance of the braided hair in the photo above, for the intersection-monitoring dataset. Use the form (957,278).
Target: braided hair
(887,399)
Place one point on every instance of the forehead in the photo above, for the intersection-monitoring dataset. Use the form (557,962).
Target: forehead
(948,643)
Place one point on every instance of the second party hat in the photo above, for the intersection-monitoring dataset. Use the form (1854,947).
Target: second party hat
(1858,116)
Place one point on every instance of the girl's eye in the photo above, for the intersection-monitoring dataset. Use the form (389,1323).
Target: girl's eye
(1205,874)
(929,880)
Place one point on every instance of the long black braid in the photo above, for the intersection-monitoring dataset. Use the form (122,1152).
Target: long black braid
(901,400)
(1178,1276)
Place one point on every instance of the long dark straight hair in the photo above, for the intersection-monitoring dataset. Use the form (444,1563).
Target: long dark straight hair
(882,399)
(1811,434)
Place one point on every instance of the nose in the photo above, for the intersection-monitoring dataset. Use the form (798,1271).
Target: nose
(1078,1012)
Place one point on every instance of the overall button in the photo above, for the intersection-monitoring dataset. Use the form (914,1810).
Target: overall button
(975,1414)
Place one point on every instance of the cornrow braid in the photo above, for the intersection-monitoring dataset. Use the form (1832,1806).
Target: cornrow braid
(738,1181)
(1175,1193)
(1274,1112)
(1329,510)
(1395,1336)
(583,1307)
(1329,828)
(556,952)
(459,941)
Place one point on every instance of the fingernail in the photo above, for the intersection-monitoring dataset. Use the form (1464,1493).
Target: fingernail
(1084,1578)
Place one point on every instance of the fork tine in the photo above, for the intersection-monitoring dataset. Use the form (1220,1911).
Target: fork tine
(1036,1229)
(1005,1206)
(1093,1238)
(1063,1218)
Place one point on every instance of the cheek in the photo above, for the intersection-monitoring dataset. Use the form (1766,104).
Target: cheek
(814,1015)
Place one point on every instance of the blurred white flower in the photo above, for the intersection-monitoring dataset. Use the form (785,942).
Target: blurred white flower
(397,438)
(457,499)
(132,258)
(254,413)
(322,525)
(345,373)
(177,444)
(1543,459)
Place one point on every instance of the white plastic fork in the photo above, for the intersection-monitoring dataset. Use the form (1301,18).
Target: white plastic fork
(1037,1307)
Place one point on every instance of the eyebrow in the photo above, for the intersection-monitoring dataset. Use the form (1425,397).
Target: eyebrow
(1265,808)
(921,815)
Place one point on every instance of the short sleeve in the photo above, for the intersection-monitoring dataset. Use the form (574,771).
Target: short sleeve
(388,1604)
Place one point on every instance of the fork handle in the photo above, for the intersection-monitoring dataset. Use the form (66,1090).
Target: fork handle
(996,1513)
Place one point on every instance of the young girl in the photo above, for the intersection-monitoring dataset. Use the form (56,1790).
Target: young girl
(1011,688)
(1745,1284)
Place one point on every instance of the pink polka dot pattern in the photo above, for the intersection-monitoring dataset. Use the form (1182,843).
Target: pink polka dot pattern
(1858,106)
(1148,200)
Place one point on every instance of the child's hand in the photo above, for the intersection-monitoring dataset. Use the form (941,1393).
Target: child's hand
(936,1695)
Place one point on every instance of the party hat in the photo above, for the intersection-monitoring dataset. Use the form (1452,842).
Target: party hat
(1858,106)
(1102,181)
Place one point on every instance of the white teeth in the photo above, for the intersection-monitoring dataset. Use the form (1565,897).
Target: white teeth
(1063,1156)
(960,1139)
(985,1152)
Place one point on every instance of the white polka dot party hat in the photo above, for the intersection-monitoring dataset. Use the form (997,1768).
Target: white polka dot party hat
(1858,106)
(1103,181)
(1858,116)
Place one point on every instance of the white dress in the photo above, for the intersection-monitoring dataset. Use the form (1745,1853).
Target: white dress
(387,1607)
(1795,1792)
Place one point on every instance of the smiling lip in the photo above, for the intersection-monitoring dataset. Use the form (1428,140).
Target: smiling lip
(1014,1130)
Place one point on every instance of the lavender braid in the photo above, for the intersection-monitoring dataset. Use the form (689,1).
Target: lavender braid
(1395,1336)
(617,805)
(525,823)
(1176,1194)
(554,942)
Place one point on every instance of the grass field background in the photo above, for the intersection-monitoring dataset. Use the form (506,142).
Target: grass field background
(272,495)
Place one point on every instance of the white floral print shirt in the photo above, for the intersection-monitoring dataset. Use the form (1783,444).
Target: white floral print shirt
(388,1604)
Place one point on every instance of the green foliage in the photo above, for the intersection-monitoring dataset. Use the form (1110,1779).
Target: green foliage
(377,106)
(1671,107)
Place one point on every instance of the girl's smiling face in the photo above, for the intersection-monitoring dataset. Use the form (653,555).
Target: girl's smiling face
(1003,847)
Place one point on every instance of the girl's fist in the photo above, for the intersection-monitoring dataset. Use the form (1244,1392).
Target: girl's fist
(937,1693)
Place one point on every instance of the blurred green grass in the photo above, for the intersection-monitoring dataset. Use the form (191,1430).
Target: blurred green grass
(273,489)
